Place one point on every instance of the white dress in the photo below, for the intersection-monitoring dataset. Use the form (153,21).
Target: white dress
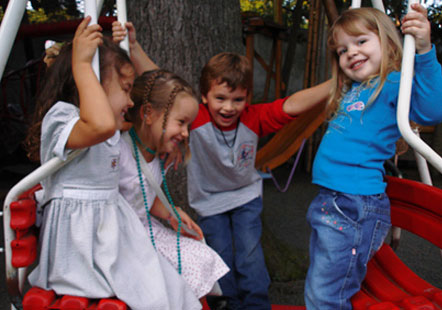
(201,266)
(92,244)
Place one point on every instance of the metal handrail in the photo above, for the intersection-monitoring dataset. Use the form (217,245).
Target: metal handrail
(403,106)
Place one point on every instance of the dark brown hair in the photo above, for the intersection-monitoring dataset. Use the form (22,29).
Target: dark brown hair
(59,85)
(230,68)
(157,88)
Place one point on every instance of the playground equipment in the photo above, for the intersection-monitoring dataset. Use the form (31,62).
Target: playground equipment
(417,211)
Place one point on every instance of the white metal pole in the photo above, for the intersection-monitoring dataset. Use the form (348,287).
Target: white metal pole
(99,6)
(8,29)
(122,18)
(90,9)
(355,4)
(378,5)
(403,108)
(422,165)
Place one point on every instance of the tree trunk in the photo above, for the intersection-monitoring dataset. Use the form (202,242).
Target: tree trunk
(181,36)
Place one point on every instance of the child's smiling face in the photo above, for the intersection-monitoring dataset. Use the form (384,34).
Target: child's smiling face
(182,113)
(117,88)
(225,105)
(359,55)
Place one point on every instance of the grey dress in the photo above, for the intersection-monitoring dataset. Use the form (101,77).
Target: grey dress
(92,244)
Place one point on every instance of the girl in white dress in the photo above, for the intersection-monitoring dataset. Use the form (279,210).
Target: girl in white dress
(165,105)
(92,243)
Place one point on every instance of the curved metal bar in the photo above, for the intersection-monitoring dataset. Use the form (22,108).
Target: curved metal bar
(12,278)
(8,29)
(403,108)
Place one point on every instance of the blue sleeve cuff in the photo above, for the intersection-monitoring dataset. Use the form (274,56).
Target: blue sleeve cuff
(428,58)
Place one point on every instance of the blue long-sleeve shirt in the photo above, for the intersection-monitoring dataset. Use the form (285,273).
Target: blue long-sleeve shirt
(352,152)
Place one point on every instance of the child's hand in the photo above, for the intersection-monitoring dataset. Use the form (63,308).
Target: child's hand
(51,53)
(126,126)
(186,220)
(175,157)
(417,24)
(85,42)
(119,32)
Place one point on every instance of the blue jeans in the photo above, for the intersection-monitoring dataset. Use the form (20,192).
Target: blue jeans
(235,235)
(347,230)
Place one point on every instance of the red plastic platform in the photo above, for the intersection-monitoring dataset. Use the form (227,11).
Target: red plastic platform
(389,283)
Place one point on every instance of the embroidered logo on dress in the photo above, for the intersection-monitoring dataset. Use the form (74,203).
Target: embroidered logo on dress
(358,106)
(114,163)
(245,155)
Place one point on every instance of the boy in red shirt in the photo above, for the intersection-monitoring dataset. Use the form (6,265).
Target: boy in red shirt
(223,185)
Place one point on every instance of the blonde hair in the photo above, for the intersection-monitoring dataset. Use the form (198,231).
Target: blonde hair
(353,22)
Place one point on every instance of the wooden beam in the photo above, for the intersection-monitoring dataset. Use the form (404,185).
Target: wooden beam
(250,51)
(330,10)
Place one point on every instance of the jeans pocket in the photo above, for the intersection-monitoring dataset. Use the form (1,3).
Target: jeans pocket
(379,233)
(347,207)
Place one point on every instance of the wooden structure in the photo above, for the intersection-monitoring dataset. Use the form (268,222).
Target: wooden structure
(257,25)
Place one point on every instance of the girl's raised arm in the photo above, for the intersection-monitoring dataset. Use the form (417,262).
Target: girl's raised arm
(305,99)
(97,121)
(139,58)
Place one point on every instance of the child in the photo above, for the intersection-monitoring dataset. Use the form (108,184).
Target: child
(223,185)
(165,105)
(350,217)
(91,242)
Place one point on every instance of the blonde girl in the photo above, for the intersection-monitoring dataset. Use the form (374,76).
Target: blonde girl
(350,217)
(165,105)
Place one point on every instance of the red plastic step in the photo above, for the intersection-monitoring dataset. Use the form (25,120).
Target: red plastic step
(361,300)
(384,306)
(24,251)
(404,276)
(73,303)
(380,285)
(38,299)
(111,304)
(23,214)
(417,303)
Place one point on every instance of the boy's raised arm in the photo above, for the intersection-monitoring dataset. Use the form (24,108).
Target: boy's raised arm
(305,99)
(138,56)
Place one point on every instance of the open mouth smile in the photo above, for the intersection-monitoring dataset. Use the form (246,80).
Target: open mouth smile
(357,64)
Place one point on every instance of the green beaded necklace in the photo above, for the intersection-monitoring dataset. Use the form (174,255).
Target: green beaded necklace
(169,198)
(134,137)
